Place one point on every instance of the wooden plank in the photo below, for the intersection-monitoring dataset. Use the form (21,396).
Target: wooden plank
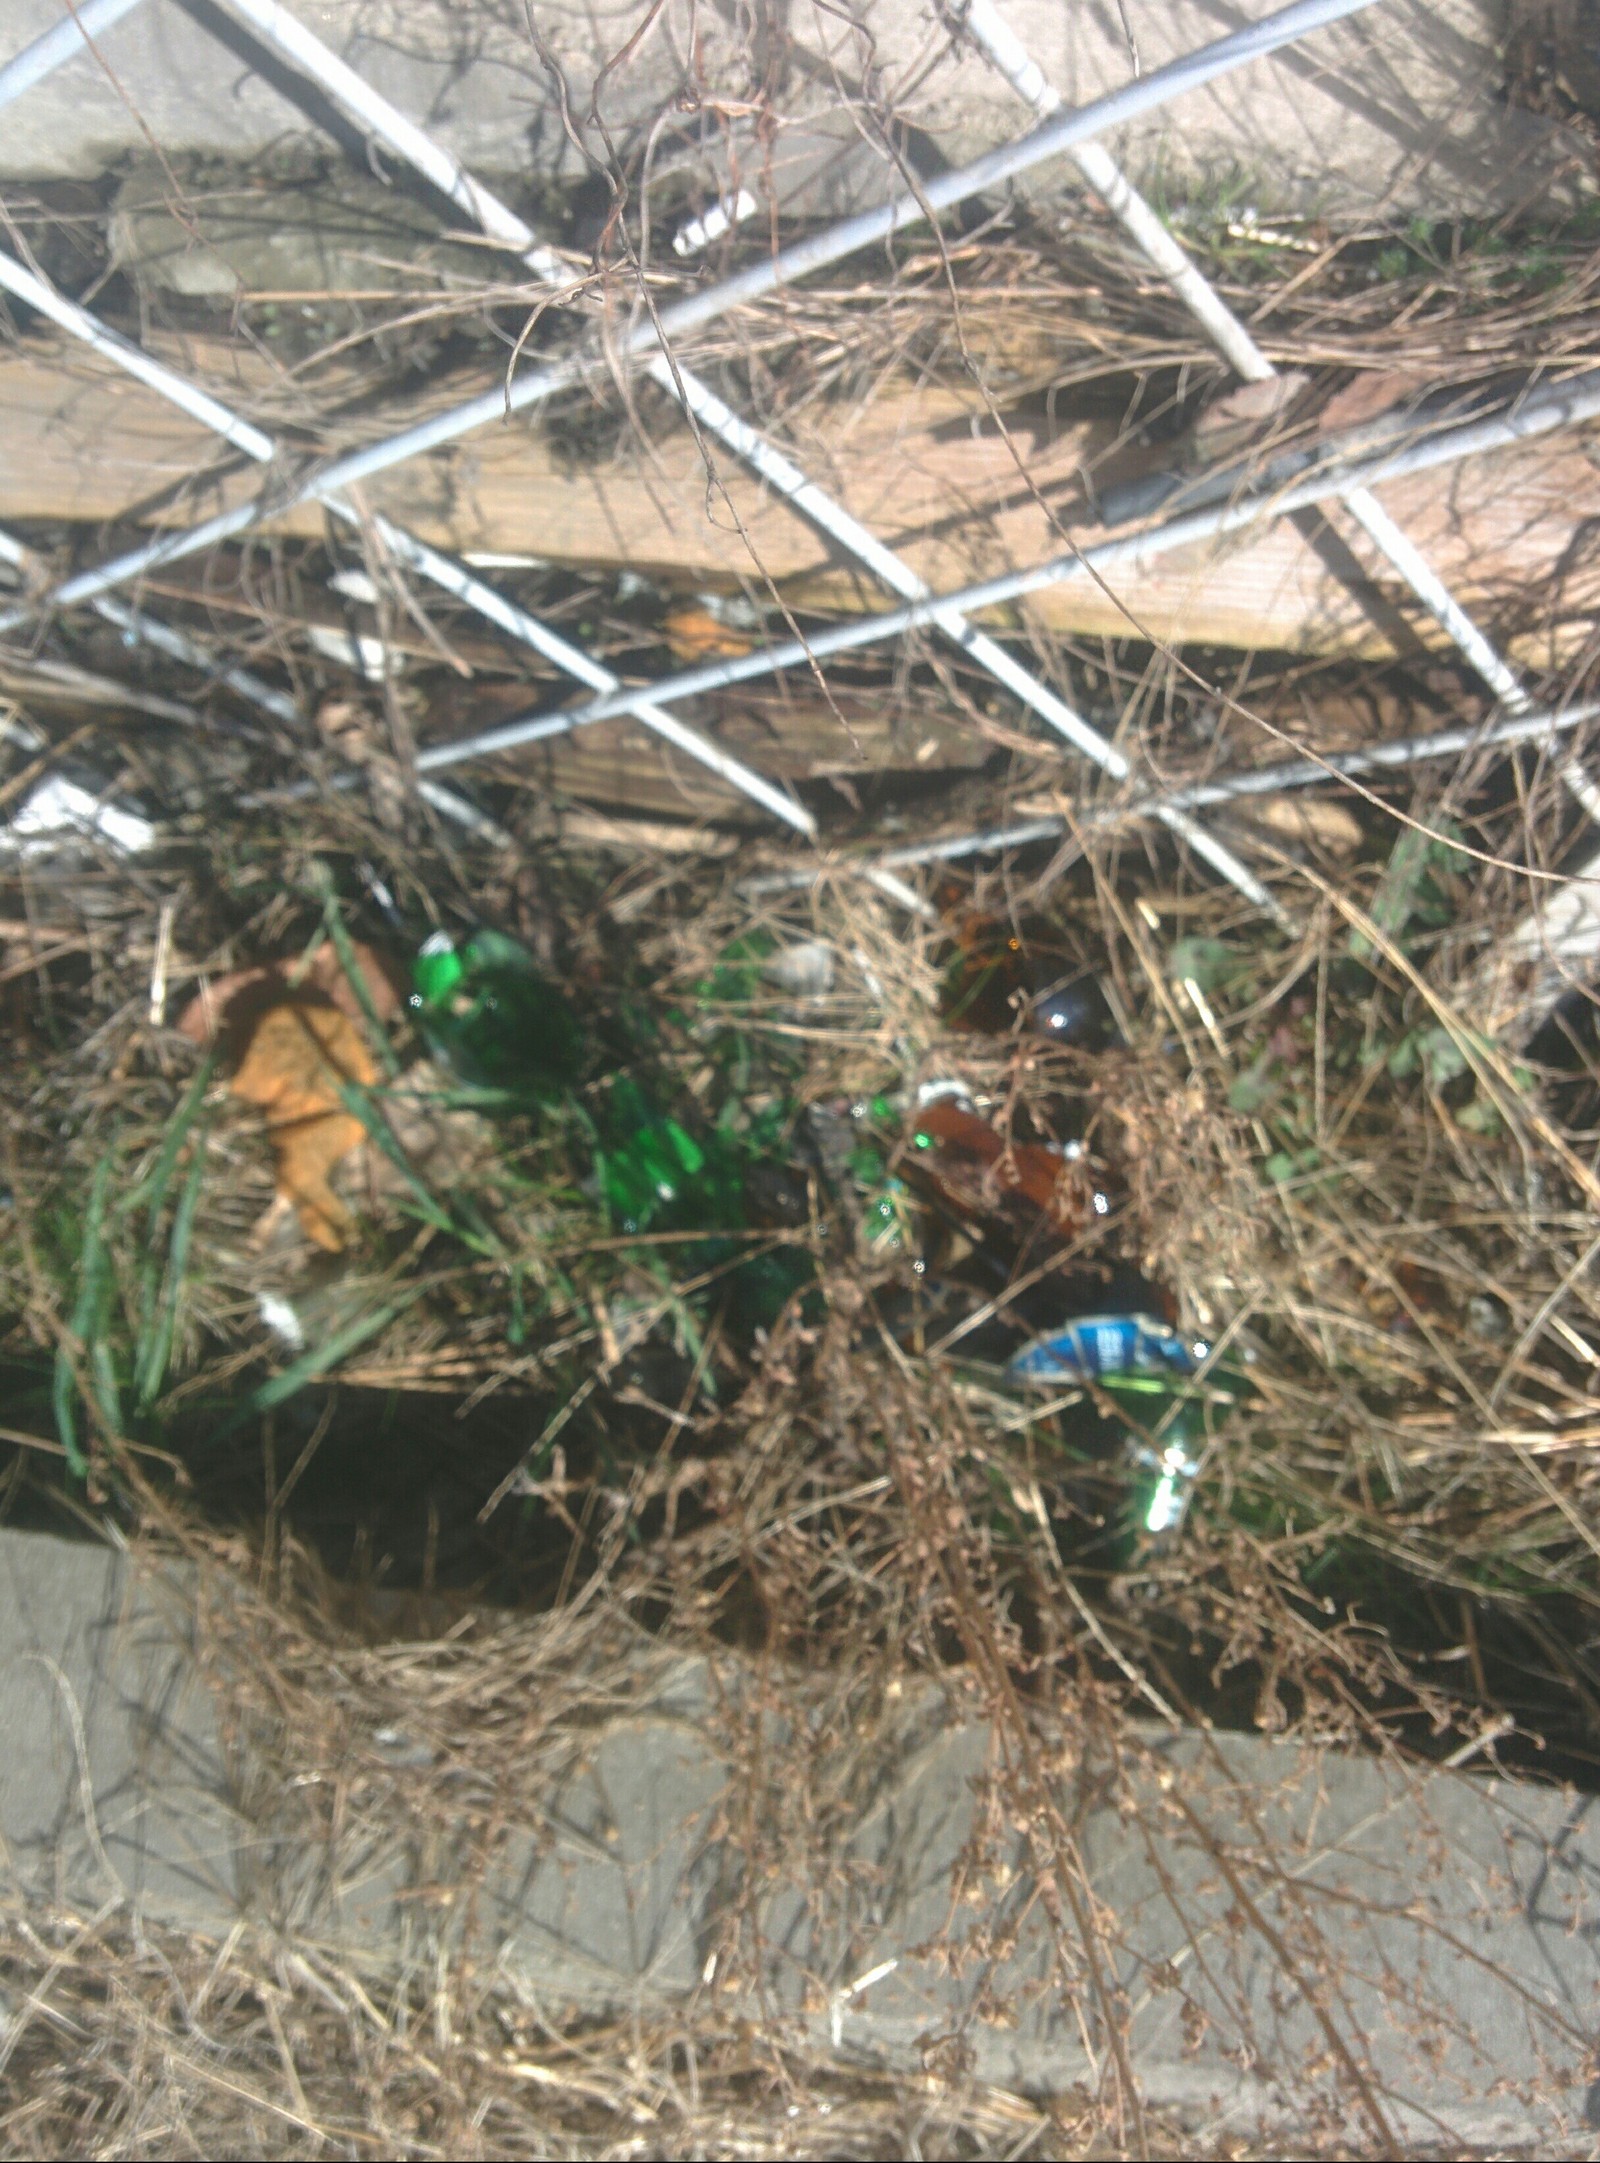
(921,469)
(786,737)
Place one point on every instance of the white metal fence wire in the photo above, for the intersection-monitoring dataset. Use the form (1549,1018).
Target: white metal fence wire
(779,472)
(652,344)
(66,41)
(1541,413)
(454,578)
(535,386)
(988,30)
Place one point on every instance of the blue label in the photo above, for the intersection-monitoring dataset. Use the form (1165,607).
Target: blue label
(1104,1344)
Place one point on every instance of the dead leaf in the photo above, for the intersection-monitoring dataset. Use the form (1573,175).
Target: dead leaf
(1372,393)
(695,634)
(1231,419)
(298,1055)
(222,998)
(1305,820)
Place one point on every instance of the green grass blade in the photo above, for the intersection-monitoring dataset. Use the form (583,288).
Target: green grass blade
(87,1322)
(344,947)
(360,1101)
(155,1190)
(63,1397)
(152,1190)
(103,1375)
(363,1104)
(155,1344)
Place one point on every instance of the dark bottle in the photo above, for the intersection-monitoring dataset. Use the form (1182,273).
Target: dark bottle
(975,1172)
(494,1018)
(1001,973)
(1074,1012)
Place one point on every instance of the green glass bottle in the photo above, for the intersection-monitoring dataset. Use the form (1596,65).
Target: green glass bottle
(656,1176)
(501,1026)
(1170,1424)
(1167,1437)
(653,1172)
(884,1226)
(494,1018)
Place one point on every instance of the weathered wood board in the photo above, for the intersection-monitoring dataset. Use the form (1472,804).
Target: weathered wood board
(1512,533)
(785,735)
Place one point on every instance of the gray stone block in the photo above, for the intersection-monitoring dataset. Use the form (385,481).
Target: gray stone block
(1294,1939)
(1395,112)
(111,1778)
(352,236)
(610,1898)
(1281,1927)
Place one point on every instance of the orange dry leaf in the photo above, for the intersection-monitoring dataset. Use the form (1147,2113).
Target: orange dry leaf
(298,1055)
(212,1006)
(695,634)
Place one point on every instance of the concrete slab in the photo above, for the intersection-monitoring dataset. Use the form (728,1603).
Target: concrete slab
(112,1784)
(1296,1940)
(1278,1925)
(1395,112)
(611,1899)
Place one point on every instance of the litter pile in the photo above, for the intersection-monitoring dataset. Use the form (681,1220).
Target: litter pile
(510,1232)
(684,1140)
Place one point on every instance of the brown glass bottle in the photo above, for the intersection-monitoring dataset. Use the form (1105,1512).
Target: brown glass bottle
(1005,973)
